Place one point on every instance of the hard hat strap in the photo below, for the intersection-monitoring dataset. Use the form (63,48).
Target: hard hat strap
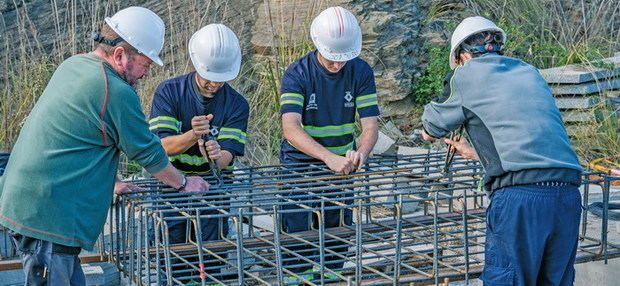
(486,48)
(103,40)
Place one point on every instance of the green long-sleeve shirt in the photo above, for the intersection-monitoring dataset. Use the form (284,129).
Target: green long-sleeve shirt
(59,180)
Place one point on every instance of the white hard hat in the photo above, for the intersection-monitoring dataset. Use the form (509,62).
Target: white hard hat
(142,29)
(336,34)
(215,53)
(470,26)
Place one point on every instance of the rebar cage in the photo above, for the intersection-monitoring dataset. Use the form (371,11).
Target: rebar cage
(400,219)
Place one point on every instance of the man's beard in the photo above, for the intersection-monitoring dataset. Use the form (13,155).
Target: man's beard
(126,76)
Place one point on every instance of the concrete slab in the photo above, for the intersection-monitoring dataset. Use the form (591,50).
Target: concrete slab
(577,102)
(384,143)
(581,73)
(580,116)
(597,273)
(586,88)
(404,150)
(391,130)
(94,274)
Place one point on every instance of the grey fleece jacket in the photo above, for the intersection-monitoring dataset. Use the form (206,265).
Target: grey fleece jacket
(513,123)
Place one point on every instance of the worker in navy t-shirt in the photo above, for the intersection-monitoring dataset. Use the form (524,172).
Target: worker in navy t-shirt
(187,107)
(320,95)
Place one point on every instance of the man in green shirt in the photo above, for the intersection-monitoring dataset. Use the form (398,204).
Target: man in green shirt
(58,184)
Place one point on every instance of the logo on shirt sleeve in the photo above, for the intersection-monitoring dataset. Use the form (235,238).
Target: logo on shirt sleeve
(348,97)
(312,103)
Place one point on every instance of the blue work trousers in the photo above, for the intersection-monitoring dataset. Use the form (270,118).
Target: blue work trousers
(47,263)
(532,233)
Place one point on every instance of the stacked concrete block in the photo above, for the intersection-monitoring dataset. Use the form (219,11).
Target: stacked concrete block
(585,93)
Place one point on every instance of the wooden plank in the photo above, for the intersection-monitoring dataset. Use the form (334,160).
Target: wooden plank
(577,102)
(581,73)
(84,259)
(586,88)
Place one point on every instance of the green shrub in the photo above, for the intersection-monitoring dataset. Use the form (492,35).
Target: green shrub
(430,84)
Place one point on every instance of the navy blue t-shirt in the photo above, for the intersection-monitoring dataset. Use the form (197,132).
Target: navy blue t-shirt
(327,103)
(178,100)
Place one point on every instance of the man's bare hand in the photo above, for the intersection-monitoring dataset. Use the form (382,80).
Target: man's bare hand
(200,125)
(213,149)
(427,137)
(340,164)
(122,187)
(196,184)
(357,158)
(462,147)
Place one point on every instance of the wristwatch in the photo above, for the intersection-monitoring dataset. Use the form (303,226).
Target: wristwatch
(183,184)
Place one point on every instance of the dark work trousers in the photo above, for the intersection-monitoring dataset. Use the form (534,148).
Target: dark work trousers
(183,230)
(532,234)
(47,263)
(305,220)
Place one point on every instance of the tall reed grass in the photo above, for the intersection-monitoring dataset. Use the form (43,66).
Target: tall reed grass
(29,61)
(546,33)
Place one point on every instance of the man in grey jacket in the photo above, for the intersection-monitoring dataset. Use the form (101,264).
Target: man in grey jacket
(532,173)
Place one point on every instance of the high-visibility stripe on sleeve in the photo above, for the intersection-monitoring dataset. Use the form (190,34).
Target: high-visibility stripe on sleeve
(232,133)
(291,98)
(366,100)
(165,122)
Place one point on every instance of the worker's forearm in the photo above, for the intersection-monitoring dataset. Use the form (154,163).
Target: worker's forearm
(304,143)
(367,141)
(170,176)
(369,136)
(177,144)
(225,160)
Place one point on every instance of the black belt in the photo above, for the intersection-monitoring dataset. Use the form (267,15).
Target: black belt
(553,184)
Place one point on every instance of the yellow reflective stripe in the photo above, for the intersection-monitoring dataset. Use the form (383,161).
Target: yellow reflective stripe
(163,118)
(367,104)
(366,100)
(188,159)
(164,122)
(232,130)
(341,150)
(330,130)
(291,102)
(291,98)
(366,96)
(232,133)
(242,141)
(153,127)
(292,95)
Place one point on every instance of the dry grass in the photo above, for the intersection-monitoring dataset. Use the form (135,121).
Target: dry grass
(540,30)
(28,63)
